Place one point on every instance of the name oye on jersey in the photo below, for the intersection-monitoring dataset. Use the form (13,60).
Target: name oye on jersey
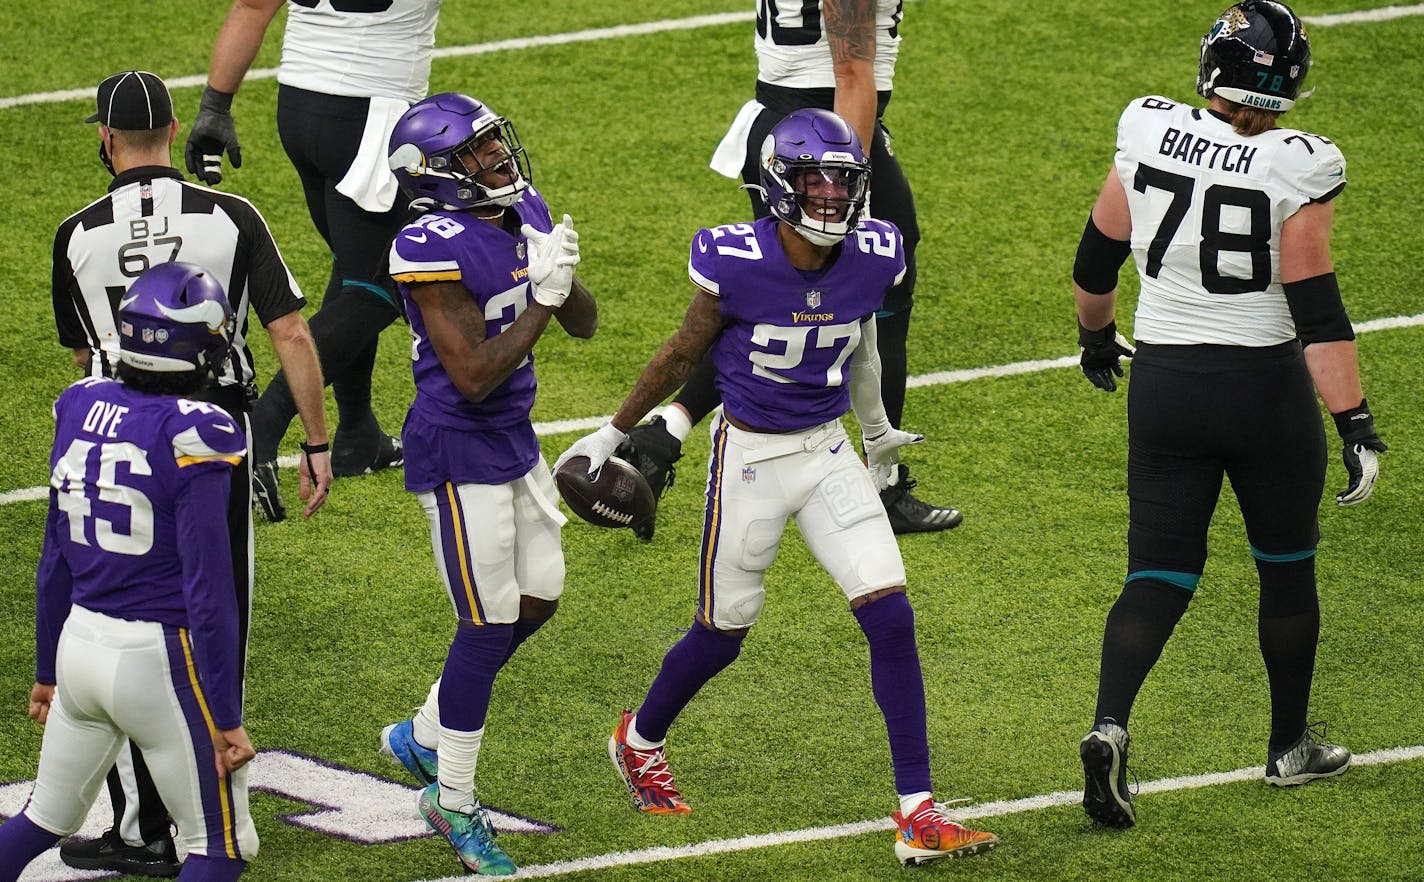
(1207,208)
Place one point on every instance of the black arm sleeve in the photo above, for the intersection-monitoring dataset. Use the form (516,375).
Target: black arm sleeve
(1318,312)
(1098,260)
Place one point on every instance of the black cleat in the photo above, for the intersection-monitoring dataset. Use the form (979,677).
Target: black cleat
(652,450)
(266,494)
(110,852)
(1106,798)
(1306,760)
(911,515)
(366,455)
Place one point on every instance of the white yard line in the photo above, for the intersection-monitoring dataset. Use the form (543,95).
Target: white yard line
(938,378)
(514,45)
(859,828)
(1384,13)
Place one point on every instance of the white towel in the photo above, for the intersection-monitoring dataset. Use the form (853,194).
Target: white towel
(369,182)
(731,154)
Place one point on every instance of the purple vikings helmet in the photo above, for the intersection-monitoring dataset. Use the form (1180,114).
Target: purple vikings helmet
(432,152)
(815,175)
(175,317)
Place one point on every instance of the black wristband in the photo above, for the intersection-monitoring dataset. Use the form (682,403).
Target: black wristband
(1355,424)
(1105,334)
(214,100)
(310,449)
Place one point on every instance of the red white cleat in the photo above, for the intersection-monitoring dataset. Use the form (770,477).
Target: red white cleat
(927,835)
(646,774)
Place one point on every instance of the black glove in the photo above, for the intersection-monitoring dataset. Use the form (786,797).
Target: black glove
(1101,351)
(1357,430)
(212,133)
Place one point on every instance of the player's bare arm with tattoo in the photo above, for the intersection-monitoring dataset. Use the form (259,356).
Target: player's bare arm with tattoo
(674,361)
(476,364)
(850,31)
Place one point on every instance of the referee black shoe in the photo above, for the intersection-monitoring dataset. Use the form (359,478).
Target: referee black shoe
(266,494)
(909,514)
(110,852)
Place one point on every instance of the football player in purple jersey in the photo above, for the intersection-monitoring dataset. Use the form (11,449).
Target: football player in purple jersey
(135,579)
(786,308)
(483,269)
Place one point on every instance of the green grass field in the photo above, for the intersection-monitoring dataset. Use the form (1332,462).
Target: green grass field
(1003,118)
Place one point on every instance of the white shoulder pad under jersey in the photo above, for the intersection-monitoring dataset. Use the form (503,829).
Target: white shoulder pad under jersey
(1207,208)
(360,48)
(792,50)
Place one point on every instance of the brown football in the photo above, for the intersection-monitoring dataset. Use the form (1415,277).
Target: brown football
(619,497)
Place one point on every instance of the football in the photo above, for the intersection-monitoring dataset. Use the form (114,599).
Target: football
(617,498)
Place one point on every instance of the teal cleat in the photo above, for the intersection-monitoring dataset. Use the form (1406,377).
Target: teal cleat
(469,832)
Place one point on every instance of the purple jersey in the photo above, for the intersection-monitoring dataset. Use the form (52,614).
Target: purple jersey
(783,358)
(137,525)
(447,436)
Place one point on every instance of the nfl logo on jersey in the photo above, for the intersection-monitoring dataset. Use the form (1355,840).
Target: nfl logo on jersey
(813,299)
(748,475)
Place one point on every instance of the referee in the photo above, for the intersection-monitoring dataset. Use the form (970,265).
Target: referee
(150,215)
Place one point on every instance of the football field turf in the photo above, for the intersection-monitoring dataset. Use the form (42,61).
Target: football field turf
(1003,118)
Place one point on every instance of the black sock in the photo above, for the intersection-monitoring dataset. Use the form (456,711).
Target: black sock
(1288,630)
(1138,627)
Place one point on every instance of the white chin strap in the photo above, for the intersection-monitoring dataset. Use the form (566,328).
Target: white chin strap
(823,233)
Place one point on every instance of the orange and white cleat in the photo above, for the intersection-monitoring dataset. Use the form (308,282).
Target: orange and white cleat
(926,834)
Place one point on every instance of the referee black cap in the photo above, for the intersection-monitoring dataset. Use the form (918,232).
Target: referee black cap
(134,100)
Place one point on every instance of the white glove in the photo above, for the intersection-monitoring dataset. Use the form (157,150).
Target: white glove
(597,447)
(882,454)
(552,258)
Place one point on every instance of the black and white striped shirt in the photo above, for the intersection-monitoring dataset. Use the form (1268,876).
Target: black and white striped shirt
(151,215)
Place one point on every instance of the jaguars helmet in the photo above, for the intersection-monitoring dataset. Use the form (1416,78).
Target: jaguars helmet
(433,157)
(815,175)
(1255,54)
(175,317)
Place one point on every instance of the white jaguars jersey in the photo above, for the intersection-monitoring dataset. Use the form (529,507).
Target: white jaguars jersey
(360,48)
(1207,208)
(792,50)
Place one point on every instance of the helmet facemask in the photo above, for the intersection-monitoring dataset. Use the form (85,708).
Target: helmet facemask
(823,198)
(491,154)
(436,163)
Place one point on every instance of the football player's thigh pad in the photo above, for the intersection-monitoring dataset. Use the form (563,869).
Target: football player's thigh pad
(539,555)
(847,530)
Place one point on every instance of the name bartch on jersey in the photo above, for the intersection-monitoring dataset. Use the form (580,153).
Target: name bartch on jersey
(1197,150)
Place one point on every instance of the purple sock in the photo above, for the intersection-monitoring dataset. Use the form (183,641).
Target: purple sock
(21,842)
(476,655)
(895,678)
(523,630)
(698,657)
(205,868)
